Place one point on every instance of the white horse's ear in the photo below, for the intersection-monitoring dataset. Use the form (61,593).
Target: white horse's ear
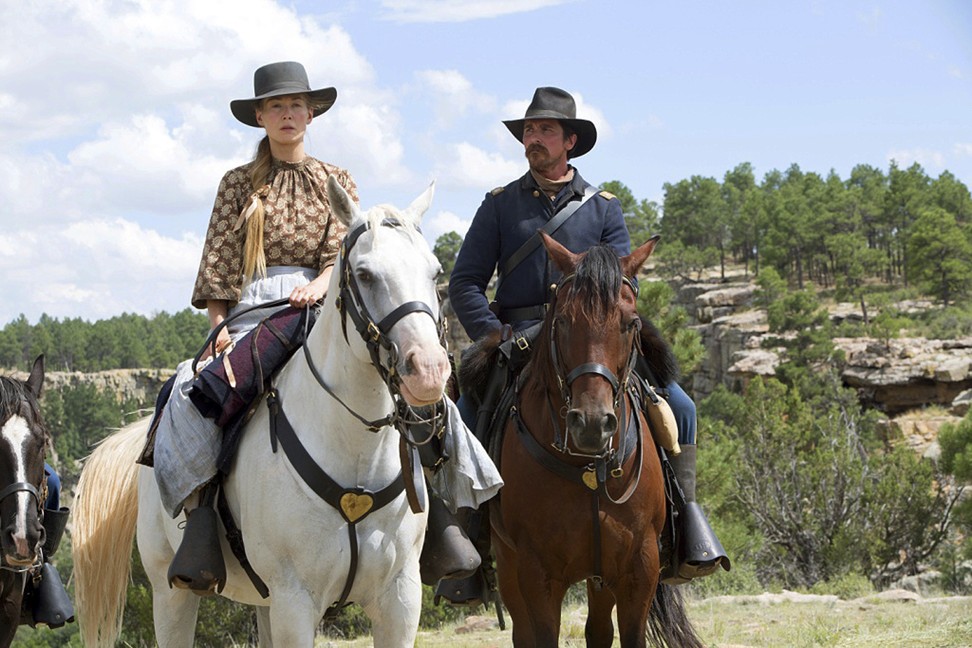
(420,205)
(341,204)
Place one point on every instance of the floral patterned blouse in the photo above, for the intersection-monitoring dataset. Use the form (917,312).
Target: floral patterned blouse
(298,227)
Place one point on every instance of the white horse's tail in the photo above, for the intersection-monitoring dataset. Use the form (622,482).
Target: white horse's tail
(105,513)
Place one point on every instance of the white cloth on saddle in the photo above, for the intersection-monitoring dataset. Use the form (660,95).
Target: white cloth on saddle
(469,477)
(186,443)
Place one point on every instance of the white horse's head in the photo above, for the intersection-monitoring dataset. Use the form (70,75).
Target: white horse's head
(387,268)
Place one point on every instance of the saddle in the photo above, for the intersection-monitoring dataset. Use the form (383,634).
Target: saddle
(227,389)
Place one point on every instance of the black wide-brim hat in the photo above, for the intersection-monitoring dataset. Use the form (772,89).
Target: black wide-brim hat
(554,103)
(274,80)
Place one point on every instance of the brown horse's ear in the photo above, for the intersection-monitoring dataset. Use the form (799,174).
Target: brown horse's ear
(633,262)
(36,379)
(564,259)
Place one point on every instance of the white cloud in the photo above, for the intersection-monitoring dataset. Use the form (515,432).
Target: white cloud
(925,157)
(364,138)
(963,149)
(467,166)
(100,268)
(444,222)
(452,95)
(459,10)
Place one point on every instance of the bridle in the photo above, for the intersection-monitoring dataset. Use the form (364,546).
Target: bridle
(375,336)
(565,378)
(39,494)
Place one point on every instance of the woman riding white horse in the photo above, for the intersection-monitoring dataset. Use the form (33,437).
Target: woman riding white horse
(311,555)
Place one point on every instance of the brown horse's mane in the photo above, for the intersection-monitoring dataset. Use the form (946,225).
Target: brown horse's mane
(592,294)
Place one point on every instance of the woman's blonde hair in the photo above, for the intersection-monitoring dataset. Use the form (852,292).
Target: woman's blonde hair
(254,259)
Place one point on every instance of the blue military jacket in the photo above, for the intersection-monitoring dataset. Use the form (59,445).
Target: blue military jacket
(507,218)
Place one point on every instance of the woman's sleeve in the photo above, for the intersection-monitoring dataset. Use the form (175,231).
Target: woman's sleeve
(221,265)
(336,230)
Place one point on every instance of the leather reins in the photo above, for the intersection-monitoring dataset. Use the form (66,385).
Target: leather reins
(609,463)
(355,504)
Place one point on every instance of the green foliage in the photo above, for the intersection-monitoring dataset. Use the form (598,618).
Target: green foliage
(940,254)
(956,443)
(804,471)
(655,303)
(80,416)
(676,260)
(956,460)
(640,217)
(445,250)
(888,323)
(124,342)
(847,587)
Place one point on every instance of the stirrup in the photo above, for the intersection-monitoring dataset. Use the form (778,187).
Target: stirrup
(699,551)
(51,604)
(198,564)
(448,553)
(471,591)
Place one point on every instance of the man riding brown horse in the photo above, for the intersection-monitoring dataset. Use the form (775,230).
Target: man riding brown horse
(553,196)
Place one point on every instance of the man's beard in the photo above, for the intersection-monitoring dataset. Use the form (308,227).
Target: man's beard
(539,158)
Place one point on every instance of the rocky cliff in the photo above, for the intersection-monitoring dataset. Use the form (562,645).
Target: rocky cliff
(903,378)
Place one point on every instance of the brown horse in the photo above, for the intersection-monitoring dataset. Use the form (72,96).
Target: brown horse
(584,496)
(23,444)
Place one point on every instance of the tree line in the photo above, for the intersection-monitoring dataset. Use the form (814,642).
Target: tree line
(899,228)
(127,341)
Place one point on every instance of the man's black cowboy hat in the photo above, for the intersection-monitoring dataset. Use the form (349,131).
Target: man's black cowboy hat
(275,79)
(554,103)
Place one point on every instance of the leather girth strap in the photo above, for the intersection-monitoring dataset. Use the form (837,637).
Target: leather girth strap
(235,539)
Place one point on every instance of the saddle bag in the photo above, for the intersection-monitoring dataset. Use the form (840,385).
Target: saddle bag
(661,420)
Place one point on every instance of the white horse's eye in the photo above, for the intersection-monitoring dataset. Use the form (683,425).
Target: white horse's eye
(364,276)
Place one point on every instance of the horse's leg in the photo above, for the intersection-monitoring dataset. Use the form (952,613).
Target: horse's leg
(11,597)
(599,630)
(293,618)
(173,610)
(264,640)
(532,598)
(395,611)
(635,593)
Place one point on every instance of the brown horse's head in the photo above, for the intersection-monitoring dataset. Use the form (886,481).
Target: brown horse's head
(23,443)
(592,333)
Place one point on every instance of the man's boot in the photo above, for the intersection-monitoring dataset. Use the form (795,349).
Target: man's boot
(473,589)
(46,601)
(448,553)
(699,552)
(198,564)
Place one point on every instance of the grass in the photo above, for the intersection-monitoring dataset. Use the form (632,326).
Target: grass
(742,622)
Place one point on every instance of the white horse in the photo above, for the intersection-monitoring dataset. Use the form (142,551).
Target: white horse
(301,546)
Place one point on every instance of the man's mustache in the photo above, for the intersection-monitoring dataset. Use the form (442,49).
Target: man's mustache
(537,147)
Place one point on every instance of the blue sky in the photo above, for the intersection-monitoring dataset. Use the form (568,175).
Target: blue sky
(116,126)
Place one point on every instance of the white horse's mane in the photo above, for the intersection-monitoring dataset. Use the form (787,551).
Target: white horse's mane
(379,213)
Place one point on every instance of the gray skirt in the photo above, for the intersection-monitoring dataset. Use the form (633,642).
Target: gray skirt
(186,443)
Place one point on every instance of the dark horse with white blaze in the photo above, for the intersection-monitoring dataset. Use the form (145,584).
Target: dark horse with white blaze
(23,445)
(584,496)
